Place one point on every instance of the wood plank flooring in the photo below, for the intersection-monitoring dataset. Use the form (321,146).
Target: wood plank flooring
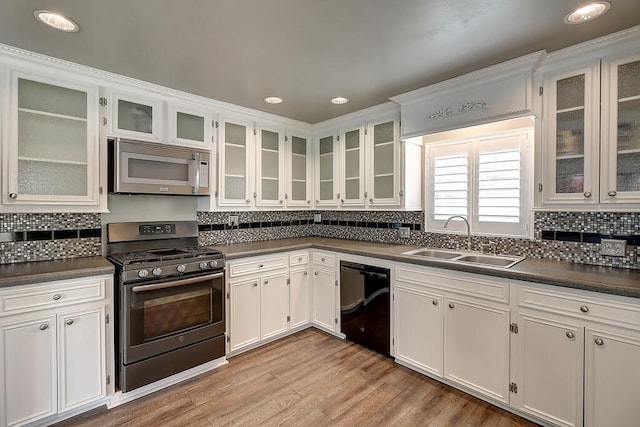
(307,379)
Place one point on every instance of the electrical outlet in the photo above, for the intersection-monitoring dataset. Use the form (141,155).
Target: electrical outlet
(613,247)
(317,218)
(233,221)
(404,232)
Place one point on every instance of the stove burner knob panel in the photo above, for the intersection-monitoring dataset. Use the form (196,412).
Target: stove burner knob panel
(203,266)
(143,273)
(156,271)
(181,268)
(213,264)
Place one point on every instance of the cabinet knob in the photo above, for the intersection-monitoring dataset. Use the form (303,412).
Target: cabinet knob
(68,322)
(451,305)
(247,201)
(13,196)
(266,282)
(299,259)
(434,302)
(260,266)
(315,273)
(255,284)
(612,193)
(317,201)
(584,309)
(56,297)
(308,202)
(570,335)
(280,201)
(587,194)
(43,326)
(599,341)
(370,200)
(322,259)
(305,273)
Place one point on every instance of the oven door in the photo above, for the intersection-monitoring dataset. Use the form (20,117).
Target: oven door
(166,315)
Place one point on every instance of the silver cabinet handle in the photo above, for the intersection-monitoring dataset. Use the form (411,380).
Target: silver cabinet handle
(434,302)
(584,309)
(43,326)
(13,196)
(315,273)
(56,297)
(587,194)
(612,193)
(68,322)
(451,305)
(570,335)
(599,341)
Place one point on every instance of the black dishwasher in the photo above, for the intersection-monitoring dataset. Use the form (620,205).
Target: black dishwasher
(364,305)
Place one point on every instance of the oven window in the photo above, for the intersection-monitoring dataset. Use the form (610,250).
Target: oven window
(159,313)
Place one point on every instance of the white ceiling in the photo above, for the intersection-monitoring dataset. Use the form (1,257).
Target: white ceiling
(305,51)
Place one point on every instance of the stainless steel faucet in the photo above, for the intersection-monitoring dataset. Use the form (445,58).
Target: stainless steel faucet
(468,228)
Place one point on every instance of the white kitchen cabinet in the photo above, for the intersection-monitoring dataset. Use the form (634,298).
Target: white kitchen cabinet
(612,375)
(50,149)
(383,176)
(55,355)
(236,151)
(547,367)
(476,346)
(300,290)
(418,328)
(352,166)
(28,370)
(138,116)
(299,185)
(270,167)
(274,305)
(244,313)
(190,125)
(325,291)
(326,176)
(590,105)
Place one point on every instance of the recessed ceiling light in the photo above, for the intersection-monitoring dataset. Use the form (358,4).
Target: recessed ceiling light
(273,100)
(56,21)
(339,100)
(587,11)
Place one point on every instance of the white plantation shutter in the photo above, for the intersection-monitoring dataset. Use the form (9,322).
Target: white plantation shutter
(451,181)
(499,186)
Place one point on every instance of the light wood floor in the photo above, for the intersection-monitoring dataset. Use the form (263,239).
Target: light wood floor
(307,379)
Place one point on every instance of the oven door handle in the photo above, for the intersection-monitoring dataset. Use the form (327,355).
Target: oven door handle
(144,288)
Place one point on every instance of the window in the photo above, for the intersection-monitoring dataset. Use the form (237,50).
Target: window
(485,178)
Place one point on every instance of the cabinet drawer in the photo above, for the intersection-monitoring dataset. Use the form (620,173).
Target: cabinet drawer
(38,297)
(475,285)
(323,258)
(577,305)
(256,265)
(298,258)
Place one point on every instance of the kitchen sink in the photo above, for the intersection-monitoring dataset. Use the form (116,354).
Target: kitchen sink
(433,253)
(502,261)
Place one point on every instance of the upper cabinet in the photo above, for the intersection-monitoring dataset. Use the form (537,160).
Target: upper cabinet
(235,154)
(50,149)
(326,177)
(352,166)
(270,166)
(299,189)
(590,139)
(190,125)
(384,163)
(134,116)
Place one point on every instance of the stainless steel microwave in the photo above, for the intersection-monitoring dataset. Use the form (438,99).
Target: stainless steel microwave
(147,168)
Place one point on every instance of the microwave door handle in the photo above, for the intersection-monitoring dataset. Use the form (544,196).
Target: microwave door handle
(175,283)
(196,161)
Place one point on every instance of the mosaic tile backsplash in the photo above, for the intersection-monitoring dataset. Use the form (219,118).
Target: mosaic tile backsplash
(564,236)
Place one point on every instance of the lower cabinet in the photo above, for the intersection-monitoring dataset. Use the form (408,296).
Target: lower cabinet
(300,297)
(53,352)
(325,291)
(274,305)
(476,346)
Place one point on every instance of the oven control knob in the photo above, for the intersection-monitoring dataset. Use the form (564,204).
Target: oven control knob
(156,271)
(143,273)
(181,268)
(203,266)
(213,264)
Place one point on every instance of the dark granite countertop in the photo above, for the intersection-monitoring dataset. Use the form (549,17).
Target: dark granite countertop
(610,280)
(25,273)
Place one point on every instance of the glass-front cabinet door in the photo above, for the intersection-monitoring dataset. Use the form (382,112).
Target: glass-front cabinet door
(352,188)
(189,126)
(326,173)
(384,185)
(299,189)
(136,117)
(270,167)
(571,121)
(236,145)
(621,131)
(50,151)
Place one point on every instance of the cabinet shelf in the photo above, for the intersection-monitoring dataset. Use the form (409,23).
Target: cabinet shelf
(629,151)
(570,109)
(629,98)
(56,161)
(570,156)
(48,114)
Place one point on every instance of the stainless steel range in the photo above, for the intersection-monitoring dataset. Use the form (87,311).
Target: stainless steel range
(169,299)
